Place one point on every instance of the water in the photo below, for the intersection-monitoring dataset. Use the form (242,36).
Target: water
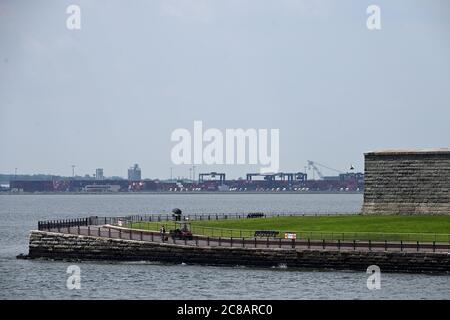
(39,279)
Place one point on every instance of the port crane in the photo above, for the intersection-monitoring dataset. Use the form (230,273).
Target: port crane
(313,165)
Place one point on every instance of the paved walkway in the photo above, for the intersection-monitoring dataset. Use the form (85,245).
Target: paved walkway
(272,243)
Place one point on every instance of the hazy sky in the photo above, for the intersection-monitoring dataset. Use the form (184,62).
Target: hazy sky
(109,95)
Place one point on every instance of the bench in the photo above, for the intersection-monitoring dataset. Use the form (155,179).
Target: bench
(255,215)
(266,233)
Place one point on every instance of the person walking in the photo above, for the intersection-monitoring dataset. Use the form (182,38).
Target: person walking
(162,230)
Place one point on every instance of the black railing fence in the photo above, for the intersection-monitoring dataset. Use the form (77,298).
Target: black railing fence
(96,220)
(255,242)
(132,227)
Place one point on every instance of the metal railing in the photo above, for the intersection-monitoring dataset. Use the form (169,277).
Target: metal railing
(238,242)
(154,222)
(313,235)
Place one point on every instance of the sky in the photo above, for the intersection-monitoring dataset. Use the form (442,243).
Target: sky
(110,94)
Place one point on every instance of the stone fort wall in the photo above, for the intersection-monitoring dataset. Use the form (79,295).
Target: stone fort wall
(407,182)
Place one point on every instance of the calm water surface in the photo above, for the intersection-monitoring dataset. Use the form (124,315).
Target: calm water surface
(142,280)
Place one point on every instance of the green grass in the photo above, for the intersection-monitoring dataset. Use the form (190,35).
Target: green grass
(348,227)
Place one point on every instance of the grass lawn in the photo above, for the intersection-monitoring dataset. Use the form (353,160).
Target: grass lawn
(358,227)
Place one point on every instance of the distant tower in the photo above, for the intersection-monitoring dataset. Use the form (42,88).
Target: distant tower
(134,173)
(99,174)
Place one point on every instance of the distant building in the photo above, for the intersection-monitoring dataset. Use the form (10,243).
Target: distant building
(134,173)
(99,174)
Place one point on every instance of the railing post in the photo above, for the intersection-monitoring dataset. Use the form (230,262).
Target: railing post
(243,242)
(417,245)
(109,232)
(267,242)
(152,236)
(309,243)
(370,245)
(98,230)
(354,244)
(231,242)
(255,242)
(385,245)
(339,244)
(196,241)
(293,243)
(141,235)
(89,230)
(207,241)
(68,229)
(279,243)
(323,244)
(120,233)
(434,246)
(401,245)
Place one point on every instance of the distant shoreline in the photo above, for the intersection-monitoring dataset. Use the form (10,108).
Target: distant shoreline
(183,192)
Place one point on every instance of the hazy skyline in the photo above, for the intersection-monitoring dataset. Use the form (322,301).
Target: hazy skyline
(110,95)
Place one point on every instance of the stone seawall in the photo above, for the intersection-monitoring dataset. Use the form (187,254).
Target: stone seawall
(407,182)
(60,246)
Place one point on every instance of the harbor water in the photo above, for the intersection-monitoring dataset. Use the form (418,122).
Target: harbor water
(41,279)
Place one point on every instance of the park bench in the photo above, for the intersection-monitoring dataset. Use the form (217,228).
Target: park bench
(266,233)
(255,215)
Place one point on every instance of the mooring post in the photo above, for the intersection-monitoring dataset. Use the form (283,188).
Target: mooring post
(231,241)
(417,245)
(385,245)
(309,243)
(401,245)
(279,244)
(152,236)
(339,244)
(78,229)
(255,242)
(207,241)
(243,242)
(293,243)
(354,244)
(98,232)
(370,245)
(267,243)
(323,243)
(109,232)
(89,230)
(142,235)
(120,233)
(434,246)
(196,241)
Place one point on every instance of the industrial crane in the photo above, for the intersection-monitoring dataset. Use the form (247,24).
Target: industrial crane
(313,165)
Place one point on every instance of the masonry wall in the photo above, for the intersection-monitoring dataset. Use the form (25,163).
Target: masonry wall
(407,182)
(73,247)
